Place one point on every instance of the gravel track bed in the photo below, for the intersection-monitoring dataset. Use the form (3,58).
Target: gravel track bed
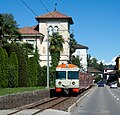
(65,105)
(60,103)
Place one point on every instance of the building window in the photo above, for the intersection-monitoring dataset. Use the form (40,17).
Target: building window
(50,28)
(55,28)
(78,53)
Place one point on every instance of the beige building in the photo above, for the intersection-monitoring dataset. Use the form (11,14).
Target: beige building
(117,63)
(38,35)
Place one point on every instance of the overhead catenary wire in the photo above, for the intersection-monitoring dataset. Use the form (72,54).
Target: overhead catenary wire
(45,7)
(29,8)
(49,11)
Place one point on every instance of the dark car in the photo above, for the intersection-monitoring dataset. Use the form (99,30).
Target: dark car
(100,84)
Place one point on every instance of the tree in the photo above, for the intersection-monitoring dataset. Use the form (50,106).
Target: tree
(73,44)
(89,60)
(76,61)
(3,68)
(26,47)
(42,80)
(93,62)
(101,66)
(22,63)
(8,28)
(56,46)
(32,71)
(13,70)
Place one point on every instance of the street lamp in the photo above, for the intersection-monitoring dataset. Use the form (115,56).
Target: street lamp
(50,30)
(47,58)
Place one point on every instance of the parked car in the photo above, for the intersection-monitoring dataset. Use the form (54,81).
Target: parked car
(113,85)
(100,84)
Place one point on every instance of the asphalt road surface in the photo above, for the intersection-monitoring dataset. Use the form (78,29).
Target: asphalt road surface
(100,101)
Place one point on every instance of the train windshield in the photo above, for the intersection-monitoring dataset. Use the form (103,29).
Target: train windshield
(60,75)
(73,74)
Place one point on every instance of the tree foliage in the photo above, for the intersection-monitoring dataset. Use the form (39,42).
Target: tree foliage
(3,68)
(76,61)
(15,67)
(22,62)
(56,46)
(73,44)
(26,47)
(32,71)
(93,62)
(42,79)
(9,28)
(13,70)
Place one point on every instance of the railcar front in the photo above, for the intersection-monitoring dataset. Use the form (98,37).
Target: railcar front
(67,78)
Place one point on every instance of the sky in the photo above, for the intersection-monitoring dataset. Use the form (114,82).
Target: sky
(96,22)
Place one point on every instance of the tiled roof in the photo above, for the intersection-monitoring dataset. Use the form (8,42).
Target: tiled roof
(78,46)
(93,70)
(29,30)
(55,15)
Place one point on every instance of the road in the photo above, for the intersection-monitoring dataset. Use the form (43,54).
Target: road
(100,101)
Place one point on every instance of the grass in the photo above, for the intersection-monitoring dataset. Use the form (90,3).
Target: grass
(5,91)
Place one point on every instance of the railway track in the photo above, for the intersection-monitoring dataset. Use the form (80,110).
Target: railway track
(40,106)
(58,103)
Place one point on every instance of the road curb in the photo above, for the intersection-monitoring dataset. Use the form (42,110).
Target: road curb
(76,103)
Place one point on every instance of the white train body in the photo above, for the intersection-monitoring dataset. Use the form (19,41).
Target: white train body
(69,78)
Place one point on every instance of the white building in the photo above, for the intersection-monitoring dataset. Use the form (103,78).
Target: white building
(81,52)
(38,35)
(107,71)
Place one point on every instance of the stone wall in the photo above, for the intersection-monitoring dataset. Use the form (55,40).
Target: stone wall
(19,99)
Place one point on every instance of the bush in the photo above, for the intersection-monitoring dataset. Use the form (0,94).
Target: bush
(42,76)
(32,72)
(13,70)
(3,68)
(22,63)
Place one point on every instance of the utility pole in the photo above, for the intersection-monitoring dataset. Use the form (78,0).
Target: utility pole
(47,58)
(49,30)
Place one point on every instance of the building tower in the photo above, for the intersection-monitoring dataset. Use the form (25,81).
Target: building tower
(54,21)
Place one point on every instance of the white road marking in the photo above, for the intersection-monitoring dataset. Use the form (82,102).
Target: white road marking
(113,94)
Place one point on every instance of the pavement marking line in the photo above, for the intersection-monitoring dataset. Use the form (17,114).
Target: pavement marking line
(113,94)
(110,91)
(75,104)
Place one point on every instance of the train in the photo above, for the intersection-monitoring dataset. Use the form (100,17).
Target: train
(71,79)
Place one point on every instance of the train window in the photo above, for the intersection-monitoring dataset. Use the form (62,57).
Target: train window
(73,74)
(60,75)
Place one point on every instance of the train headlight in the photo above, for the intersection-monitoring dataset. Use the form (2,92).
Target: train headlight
(59,82)
(73,83)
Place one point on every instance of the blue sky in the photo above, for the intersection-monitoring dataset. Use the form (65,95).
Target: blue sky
(96,22)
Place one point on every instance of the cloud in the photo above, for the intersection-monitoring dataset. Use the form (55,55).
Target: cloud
(112,62)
